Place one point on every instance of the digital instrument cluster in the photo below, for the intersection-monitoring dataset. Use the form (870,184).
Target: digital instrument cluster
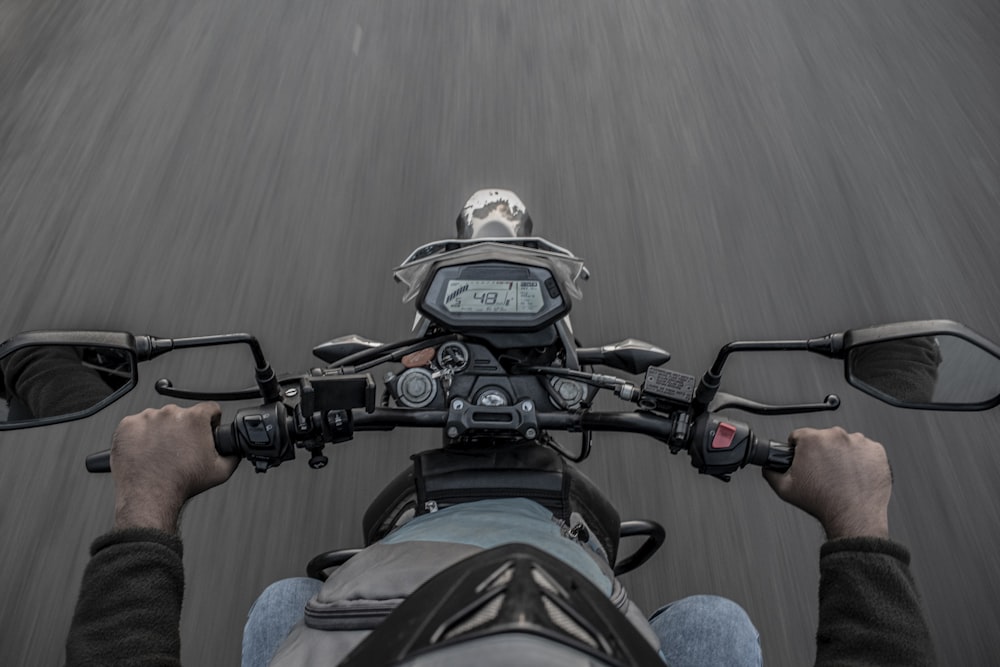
(493,296)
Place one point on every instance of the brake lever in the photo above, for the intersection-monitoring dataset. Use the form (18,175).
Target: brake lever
(724,401)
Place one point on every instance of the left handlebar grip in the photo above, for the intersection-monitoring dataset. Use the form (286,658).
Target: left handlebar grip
(225,445)
(225,440)
(99,462)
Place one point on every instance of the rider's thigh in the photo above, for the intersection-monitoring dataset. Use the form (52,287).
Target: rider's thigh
(272,616)
(706,630)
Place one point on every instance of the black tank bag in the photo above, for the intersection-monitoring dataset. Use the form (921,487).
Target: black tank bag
(440,478)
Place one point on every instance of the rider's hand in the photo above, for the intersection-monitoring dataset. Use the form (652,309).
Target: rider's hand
(841,478)
(160,459)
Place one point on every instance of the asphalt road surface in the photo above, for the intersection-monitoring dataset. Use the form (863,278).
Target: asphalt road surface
(778,169)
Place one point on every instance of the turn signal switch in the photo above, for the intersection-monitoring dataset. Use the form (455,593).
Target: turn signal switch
(258,434)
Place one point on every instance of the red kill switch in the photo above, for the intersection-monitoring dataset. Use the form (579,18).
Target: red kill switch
(723,436)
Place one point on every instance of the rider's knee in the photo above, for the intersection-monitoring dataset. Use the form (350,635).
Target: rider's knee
(708,608)
(706,630)
(294,591)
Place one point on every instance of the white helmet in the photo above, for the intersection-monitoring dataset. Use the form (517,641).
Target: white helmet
(493,214)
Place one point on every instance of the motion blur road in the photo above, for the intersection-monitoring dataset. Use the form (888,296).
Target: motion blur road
(781,168)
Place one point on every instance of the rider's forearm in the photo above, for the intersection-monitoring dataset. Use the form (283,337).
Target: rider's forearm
(129,607)
(869,610)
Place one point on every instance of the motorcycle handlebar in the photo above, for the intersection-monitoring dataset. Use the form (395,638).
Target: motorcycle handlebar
(769,454)
(645,423)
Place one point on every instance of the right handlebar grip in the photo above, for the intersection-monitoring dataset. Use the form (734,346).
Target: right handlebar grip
(779,456)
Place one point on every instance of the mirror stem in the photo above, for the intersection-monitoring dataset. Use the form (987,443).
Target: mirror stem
(150,347)
(830,345)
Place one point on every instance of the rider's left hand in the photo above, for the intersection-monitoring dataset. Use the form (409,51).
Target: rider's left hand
(160,459)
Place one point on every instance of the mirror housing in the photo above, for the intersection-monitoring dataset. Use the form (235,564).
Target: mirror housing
(334,350)
(629,355)
(924,365)
(49,377)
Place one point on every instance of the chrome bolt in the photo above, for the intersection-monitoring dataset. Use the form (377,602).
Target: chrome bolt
(457,404)
(527,406)
(530,434)
(291,392)
(452,432)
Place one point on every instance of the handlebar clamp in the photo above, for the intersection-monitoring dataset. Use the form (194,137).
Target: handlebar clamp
(465,418)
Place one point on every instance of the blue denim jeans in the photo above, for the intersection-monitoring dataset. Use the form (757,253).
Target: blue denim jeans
(272,616)
(706,630)
(701,630)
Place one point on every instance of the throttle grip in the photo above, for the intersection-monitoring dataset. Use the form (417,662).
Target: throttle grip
(99,462)
(779,456)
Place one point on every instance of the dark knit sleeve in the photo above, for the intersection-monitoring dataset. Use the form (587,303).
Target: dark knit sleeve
(129,608)
(52,382)
(869,610)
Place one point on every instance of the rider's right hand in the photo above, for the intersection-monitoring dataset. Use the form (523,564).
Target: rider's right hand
(842,479)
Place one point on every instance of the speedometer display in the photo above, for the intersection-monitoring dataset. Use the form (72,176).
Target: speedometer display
(493,296)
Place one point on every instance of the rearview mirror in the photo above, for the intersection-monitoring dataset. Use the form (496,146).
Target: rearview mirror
(48,377)
(934,365)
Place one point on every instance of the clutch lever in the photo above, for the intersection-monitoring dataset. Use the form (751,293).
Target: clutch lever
(165,387)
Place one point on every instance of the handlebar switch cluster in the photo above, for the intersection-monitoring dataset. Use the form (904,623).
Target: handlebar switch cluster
(255,429)
(720,446)
(261,435)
